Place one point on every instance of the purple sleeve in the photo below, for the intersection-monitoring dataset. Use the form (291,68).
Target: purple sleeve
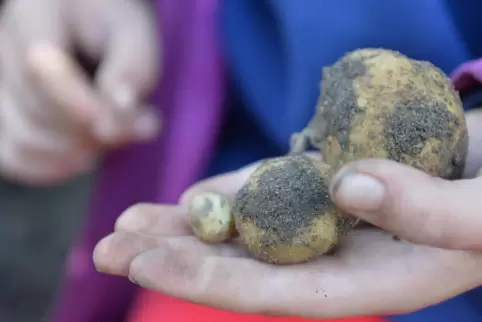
(191,97)
(467,76)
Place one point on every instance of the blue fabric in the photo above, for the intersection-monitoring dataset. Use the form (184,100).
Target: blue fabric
(276,49)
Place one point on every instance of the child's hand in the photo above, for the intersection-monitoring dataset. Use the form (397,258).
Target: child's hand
(55,121)
(372,273)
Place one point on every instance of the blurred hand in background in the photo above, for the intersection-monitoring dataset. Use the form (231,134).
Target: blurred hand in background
(55,119)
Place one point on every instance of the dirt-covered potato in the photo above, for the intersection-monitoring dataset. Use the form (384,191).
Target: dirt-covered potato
(284,214)
(211,218)
(377,103)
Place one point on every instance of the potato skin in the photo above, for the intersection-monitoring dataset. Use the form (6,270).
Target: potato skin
(211,218)
(378,103)
(284,214)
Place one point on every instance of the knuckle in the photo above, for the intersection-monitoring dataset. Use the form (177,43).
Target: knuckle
(131,215)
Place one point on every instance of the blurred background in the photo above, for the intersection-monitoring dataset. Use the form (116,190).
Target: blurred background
(37,227)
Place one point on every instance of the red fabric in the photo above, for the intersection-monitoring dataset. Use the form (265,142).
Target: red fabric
(155,307)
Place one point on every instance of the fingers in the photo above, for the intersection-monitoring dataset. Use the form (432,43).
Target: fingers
(147,226)
(138,229)
(371,273)
(67,87)
(130,65)
(117,126)
(474,157)
(412,204)
(114,253)
(204,278)
(151,219)
(128,72)
(43,105)
(123,37)
(407,278)
(125,43)
(64,83)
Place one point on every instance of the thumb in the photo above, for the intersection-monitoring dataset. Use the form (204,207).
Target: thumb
(412,204)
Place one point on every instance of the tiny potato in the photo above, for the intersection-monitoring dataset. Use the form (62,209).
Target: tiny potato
(211,218)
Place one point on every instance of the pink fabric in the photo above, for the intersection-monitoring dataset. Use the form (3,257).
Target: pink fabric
(190,98)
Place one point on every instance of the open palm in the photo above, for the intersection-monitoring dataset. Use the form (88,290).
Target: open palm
(372,273)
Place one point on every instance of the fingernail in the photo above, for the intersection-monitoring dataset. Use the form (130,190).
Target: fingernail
(358,192)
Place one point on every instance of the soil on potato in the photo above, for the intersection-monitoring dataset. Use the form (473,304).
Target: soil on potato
(271,209)
(416,118)
(339,101)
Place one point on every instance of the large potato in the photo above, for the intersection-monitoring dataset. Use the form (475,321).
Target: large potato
(377,103)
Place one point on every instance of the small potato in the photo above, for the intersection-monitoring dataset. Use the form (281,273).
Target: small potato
(378,103)
(211,218)
(284,214)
